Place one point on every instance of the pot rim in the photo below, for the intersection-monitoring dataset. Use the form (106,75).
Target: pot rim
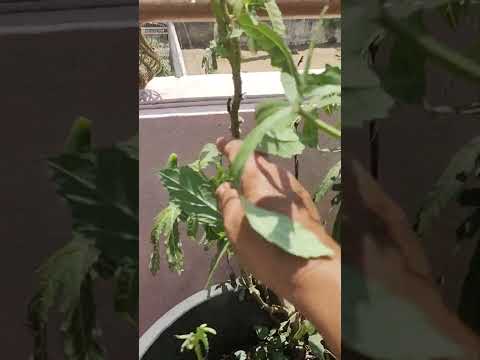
(153,333)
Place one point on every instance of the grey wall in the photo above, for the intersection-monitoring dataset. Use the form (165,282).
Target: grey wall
(299,32)
(51,79)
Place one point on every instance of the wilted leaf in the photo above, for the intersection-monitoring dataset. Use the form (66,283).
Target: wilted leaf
(166,224)
(64,281)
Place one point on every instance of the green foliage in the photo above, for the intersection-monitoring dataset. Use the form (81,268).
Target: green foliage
(65,281)
(404,78)
(332,177)
(294,338)
(193,203)
(284,129)
(268,40)
(282,231)
(166,224)
(197,341)
(449,186)
(101,189)
(275,16)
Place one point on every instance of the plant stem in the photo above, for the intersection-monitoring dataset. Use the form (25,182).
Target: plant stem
(322,125)
(235,63)
(198,352)
(432,47)
(313,42)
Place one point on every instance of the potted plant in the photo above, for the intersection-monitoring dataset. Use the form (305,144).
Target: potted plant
(243,319)
(100,186)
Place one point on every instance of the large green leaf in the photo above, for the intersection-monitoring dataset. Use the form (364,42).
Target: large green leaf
(191,192)
(267,39)
(279,117)
(288,235)
(284,143)
(101,189)
(449,186)
(282,140)
(65,282)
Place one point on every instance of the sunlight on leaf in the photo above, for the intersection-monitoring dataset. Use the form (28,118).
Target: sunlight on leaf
(281,231)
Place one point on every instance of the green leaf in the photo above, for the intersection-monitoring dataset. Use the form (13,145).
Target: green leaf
(276,18)
(310,132)
(101,188)
(208,155)
(279,118)
(290,87)
(315,342)
(364,104)
(166,224)
(331,76)
(126,291)
(192,226)
(289,235)
(191,192)
(284,143)
(130,148)
(64,281)
(282,140)
(262,332)
(237,6)
(240,355)
(449,186)
(330,179)
(404,78)
(267,39)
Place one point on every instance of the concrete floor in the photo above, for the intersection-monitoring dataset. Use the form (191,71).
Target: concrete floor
(260,61)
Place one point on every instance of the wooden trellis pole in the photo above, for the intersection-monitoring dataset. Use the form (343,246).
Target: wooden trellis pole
(199,10)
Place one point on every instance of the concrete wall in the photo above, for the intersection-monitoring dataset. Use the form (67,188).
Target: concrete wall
(51,79)
(299,32)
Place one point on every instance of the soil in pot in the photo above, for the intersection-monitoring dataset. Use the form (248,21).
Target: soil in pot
(234,321)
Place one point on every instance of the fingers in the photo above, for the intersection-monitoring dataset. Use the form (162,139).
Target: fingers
(229,201)
(229,147)
(230,205)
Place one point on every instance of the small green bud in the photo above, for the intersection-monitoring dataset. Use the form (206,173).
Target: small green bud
(172,161)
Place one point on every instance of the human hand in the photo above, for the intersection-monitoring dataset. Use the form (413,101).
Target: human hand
(381,246)
(304,282)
